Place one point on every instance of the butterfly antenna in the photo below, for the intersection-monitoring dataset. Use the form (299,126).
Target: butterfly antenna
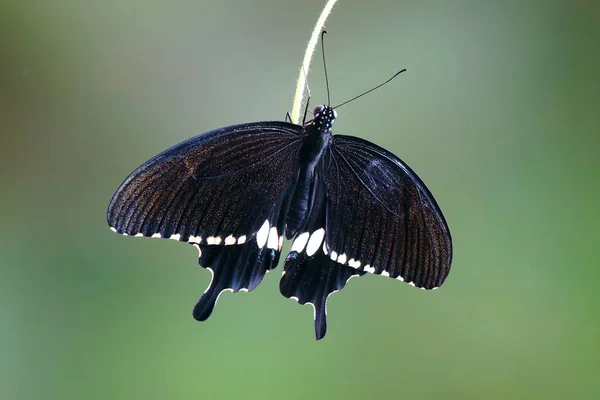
(325,67)
(370,90)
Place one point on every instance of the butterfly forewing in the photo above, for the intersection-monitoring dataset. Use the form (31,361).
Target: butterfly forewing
(213,187)
(381,218)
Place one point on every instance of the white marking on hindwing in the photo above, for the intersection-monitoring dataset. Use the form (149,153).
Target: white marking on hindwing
(315,309)
(125,234)
(196,245)
(176,236)
(313,306)
(300,242)
(221,292)
(314,243)
(325,248)
(194,239)
(280,242)
(263,234)
(157,235)
(368,268)
(113,229)
(341,259)
(308,302)
(242,239)
(229,240)
(213,240)
(139,235)
(212,276)
(273,240)
(335,291)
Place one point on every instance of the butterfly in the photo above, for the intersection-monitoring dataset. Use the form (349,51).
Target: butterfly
(350,206)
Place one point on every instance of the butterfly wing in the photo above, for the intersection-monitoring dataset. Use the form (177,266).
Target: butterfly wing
(310,275)
(225,192)
(370,213)
(381,218)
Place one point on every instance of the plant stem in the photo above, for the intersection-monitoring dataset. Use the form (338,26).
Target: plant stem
(310,49)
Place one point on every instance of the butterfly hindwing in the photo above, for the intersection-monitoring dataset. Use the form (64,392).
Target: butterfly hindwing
(381,218)
(311,279)
(310,275)
(243,266)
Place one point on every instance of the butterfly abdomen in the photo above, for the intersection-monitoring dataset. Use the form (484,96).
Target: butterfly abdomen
(300,203)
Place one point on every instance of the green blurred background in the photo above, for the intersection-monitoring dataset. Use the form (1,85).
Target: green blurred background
(498,113)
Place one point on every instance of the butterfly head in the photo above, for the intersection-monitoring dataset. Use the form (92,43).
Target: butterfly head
(324,117)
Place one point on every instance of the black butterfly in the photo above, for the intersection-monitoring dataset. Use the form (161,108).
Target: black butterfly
(350,206)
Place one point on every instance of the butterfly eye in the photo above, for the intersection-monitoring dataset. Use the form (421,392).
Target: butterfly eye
(318,110)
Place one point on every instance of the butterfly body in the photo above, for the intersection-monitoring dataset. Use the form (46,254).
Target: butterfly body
(350,206)
(318,137)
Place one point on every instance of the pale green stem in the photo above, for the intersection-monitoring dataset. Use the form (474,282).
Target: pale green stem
(310,49)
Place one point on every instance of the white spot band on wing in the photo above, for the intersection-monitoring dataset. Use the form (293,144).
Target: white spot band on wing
(300,242)
(314,243)
(263,234)
(273,240)
(213,240)
(368,268)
